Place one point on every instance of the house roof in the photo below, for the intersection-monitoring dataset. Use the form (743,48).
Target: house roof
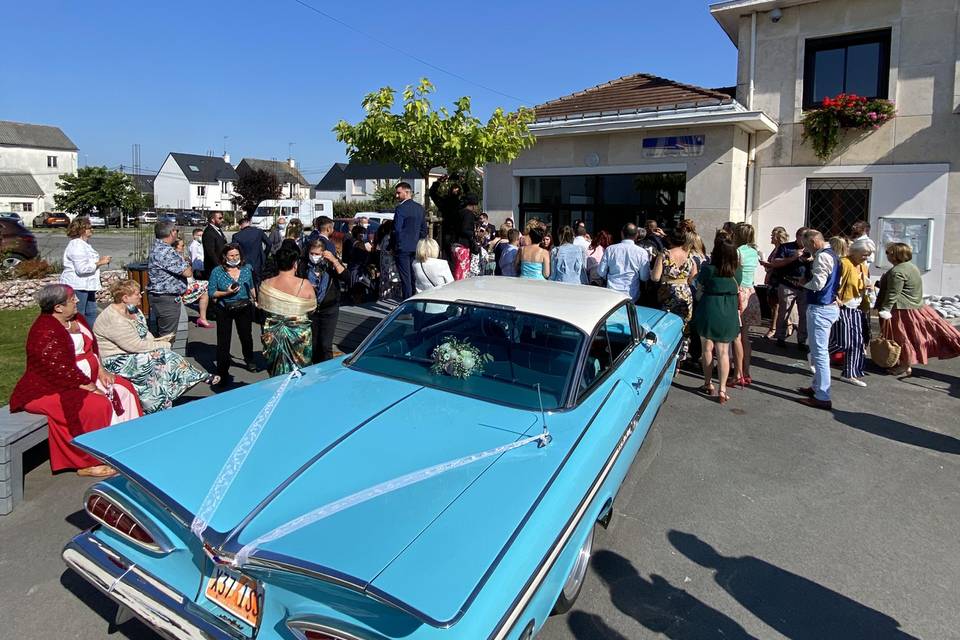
(40,136)
(284,172)
(143,182)
(388,170)
(19,184)
(640,91)
(334,179)
(728,13)
(204,169)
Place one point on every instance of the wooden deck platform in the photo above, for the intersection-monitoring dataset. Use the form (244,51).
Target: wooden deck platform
(357,321)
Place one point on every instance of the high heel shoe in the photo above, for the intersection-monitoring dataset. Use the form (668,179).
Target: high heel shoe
(722,397)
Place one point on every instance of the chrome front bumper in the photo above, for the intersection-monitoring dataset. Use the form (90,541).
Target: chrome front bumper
(169,613)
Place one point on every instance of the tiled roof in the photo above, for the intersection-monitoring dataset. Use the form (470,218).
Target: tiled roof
(335,178)
(40,136)
(284,172)
(19,184)
(143,182)
(204,169)
(628,94)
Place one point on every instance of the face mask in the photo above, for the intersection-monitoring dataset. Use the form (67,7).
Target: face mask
(233,263)
(131,308)
(365,225)
(315,259)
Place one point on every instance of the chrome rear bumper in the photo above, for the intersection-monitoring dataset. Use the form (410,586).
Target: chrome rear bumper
(169,613)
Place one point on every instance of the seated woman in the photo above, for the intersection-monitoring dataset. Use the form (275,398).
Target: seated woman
(429,271)
(159,375)
(287,301)
(65,382)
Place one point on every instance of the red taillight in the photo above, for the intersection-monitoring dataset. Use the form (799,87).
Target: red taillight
(106,511)
(313,631)
(318,635)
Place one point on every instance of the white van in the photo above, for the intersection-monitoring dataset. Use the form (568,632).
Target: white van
(306,210)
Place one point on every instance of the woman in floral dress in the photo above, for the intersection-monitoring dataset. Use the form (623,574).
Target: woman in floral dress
(287,301)
(674,269)
(127,349)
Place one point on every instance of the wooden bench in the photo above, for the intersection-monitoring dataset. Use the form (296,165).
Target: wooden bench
(18,433)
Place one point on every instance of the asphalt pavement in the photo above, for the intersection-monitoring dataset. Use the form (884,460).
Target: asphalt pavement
(758,519)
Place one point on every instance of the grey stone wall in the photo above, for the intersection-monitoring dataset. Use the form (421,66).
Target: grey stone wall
(20,294)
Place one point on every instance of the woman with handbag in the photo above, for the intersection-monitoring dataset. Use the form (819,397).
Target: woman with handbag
(234,296)
(904,319)
(847,334)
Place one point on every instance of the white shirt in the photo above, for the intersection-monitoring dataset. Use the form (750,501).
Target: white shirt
(195,250)
(821,270)
(581,241)
(432,273)
(625,266)
(80,269)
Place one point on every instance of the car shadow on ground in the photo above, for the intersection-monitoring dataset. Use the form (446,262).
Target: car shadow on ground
(794,606)
(80,519)
(105,608)
(655,603)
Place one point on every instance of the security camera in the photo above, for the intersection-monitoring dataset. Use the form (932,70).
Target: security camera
(776,15)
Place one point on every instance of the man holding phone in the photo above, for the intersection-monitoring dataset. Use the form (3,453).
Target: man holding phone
(791,264)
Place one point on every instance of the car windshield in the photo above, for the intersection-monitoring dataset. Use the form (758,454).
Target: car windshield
(506,355)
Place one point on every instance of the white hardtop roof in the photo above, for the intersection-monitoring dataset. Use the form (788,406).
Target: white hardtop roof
(580,305)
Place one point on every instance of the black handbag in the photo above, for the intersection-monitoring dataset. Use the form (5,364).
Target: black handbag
(235,305)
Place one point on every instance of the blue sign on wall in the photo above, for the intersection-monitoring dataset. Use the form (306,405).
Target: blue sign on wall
(673,147)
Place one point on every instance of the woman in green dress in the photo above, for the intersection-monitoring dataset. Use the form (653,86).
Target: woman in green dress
(127,349)
(717,319)
(286,302)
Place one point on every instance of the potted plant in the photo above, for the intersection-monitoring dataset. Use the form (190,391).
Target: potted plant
(824,124)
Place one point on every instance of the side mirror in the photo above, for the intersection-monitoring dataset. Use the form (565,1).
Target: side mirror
(649,339)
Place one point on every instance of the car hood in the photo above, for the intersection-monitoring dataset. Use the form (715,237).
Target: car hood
(369,430)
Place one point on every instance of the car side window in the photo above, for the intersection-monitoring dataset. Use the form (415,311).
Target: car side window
(608,343)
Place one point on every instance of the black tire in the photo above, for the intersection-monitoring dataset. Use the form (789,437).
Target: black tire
(574,582)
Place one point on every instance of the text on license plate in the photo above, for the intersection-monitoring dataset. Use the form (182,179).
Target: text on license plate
(236,593)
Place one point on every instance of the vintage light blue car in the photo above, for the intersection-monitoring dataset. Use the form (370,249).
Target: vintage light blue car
(444,481)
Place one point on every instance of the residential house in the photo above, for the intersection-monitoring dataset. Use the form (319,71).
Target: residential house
(355,182)
(20,193)
(42,151)
(144,184)
(190,181)
(293,185)
(905,177)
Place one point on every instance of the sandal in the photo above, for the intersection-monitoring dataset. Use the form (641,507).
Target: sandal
(722,397)
(770,334)
(97,471)
(706,389)
(213,380)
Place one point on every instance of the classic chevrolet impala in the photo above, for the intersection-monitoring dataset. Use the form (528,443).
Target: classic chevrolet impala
(444,481)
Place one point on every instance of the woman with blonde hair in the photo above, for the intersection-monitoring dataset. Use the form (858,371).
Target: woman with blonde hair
(128,349)
(745,239)
(778,236)
(847,334)
(429,271)
(905,319)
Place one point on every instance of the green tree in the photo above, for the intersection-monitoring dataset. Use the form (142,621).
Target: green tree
(97,187)
(255,187)
(419,138)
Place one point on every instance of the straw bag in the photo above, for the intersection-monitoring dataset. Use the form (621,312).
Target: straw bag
(884,352)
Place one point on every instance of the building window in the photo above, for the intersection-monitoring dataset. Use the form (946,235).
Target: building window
(858,64)
(358,187)
(21,207)
(201,190)
(834,204)
(52,161)
(224,186)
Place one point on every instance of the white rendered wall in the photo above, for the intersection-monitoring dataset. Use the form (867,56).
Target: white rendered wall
(34,162)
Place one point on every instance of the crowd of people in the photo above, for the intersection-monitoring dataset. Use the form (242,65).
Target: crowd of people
(88,369)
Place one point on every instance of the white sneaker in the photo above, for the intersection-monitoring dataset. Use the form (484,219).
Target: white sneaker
(857,382)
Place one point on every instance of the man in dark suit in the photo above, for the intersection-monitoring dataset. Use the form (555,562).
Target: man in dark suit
(410,225)
(213,242)
(252,243)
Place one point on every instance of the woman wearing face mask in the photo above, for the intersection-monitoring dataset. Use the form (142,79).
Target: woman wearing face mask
(127,349)
(325,272)
(232,291)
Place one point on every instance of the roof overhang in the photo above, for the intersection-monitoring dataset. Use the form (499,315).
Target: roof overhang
(728,13)
(719,115)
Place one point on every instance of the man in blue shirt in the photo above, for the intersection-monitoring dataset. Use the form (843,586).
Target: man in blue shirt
(167,271)
(410,226)
(625,265)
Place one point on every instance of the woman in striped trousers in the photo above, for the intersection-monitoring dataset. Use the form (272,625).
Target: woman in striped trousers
(847,335)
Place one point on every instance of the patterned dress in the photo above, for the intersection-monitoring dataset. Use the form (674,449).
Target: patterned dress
(287,330)
(159,376)
(674,294)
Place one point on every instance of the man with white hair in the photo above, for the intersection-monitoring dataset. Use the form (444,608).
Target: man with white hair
(822,313)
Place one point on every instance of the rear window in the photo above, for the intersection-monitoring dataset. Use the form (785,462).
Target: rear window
(518,352)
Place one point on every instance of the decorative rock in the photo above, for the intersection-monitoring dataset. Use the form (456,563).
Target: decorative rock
(20,294)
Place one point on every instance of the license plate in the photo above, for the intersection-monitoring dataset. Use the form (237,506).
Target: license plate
(236,593)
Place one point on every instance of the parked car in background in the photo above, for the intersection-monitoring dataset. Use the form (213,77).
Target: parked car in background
(11,215)
(147,217)
(50,219)
(190,218)
(97,221)
(17,243)
(480,434)
(167,217)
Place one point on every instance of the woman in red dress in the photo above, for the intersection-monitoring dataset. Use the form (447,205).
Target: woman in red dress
(64,382)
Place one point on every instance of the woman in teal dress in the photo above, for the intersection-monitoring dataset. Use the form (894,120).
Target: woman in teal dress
(127,349)
(717,319)
(533,260)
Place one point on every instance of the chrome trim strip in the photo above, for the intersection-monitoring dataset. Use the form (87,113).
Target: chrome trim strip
(108,493)
(163,609)
(511,617)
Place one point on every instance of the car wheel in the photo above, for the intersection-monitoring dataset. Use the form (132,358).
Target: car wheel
(573,585)
(11,260)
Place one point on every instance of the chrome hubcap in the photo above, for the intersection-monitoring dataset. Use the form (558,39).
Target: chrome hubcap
(575,579)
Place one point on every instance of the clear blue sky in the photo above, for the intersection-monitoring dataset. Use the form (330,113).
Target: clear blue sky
(176,75)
